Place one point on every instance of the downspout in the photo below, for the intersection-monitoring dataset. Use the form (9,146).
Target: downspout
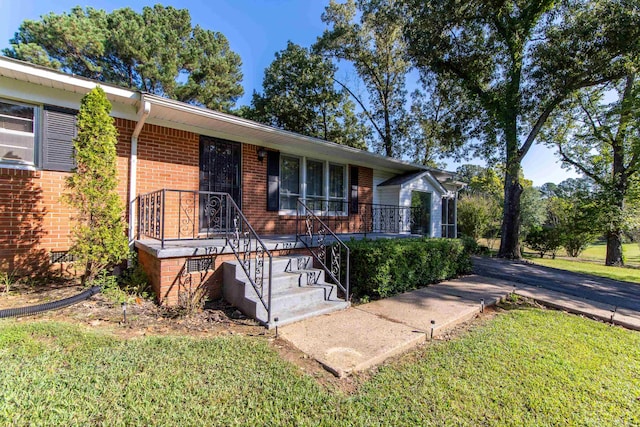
(143,112)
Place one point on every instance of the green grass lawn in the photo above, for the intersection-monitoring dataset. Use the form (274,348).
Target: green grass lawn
(525,367)
(598,252)
(625,274)
(591,261)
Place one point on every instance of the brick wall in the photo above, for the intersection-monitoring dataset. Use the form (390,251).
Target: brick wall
(34,220)
(171,283)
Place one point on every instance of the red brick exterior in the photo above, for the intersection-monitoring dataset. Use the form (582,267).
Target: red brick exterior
(171,283)
(35,221)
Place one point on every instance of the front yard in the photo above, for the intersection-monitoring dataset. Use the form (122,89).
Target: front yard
(523,367)
(591,261)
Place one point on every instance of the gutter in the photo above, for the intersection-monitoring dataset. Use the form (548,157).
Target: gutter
(143,112)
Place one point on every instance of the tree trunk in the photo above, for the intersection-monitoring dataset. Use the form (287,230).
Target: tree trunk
(614,248)
(619,178)
(510,242)
(388,139)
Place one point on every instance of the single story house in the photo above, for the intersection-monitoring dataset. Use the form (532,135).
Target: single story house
(203,190)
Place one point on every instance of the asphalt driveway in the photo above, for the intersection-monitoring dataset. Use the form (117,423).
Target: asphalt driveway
(607,291)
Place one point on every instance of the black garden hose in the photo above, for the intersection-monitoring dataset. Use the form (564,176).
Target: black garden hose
(54,305)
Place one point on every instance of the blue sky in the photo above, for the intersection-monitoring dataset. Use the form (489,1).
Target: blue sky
(256,30)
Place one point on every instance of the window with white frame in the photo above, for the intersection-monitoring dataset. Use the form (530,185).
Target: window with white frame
(289,182)
(321,184)
(315,184)
(337,188)
(17,132)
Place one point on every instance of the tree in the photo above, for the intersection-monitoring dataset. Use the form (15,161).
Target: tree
(299,95)
(99,238)
(434,131)
(475,214)
(602,140)
(544,238)
(156,51)
(375,47)
(517,61)
(483,195)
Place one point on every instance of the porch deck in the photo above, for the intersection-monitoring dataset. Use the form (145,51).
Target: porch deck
(219,246)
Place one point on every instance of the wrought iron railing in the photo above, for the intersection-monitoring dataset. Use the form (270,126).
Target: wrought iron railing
(170,215)
(345,217)
(326,248)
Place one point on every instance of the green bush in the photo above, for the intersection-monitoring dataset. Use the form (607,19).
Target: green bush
(544,239)
(384,267)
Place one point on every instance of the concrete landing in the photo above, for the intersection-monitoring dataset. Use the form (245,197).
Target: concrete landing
(351,340)
(418,308)
(364,336)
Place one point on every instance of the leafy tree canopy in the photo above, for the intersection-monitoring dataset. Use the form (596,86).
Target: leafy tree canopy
(601,139)
(157,51)
(516,61)
(299,95)
(368,34)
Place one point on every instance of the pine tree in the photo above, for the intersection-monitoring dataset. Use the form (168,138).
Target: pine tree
(99,239)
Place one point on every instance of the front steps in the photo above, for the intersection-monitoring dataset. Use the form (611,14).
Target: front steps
(298,291)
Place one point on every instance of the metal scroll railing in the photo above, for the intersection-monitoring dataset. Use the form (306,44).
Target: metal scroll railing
(326,248)
(171,215)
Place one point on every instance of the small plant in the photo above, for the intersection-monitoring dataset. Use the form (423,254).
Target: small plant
(110,287)
(134,280)
(7,280)
(191,296)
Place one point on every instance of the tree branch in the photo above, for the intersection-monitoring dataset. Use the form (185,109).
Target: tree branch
(366,112)
(567,159)
(596,128)
(538,126)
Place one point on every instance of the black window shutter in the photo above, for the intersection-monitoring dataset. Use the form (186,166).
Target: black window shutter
(273,180)
(57,140)
(354,190)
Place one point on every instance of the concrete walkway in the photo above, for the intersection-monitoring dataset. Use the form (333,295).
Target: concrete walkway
(360,337)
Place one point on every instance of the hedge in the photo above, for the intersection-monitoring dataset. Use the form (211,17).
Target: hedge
(384,267)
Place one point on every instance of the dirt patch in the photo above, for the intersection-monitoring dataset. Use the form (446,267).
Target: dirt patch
(143,317)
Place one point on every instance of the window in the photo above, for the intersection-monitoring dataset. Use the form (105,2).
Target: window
(337,195)
(315,184)
(289,182)
(421,213)
(17,133)
(322,185)
(449,217)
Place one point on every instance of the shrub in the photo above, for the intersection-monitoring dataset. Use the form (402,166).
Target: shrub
(134,280)
(543,239)
(99,238)
(384,267)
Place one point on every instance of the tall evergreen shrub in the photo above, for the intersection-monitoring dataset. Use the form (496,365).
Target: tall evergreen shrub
(99,239)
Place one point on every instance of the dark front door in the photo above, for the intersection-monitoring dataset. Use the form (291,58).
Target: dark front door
(219,172)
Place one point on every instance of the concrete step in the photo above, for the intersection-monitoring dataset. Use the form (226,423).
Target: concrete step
(286,280)
(290,263)
(318,309)
(294,298)
(298,291)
